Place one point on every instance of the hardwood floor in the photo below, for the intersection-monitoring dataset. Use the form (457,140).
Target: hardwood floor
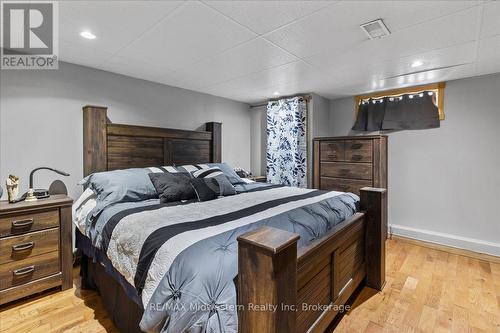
(427,290)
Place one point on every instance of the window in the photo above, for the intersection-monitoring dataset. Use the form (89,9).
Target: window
(417,107)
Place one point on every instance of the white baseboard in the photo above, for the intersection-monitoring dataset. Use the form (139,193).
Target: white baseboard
(459,242)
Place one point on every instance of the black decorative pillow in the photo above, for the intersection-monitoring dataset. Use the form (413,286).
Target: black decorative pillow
(172,186)
(212,187)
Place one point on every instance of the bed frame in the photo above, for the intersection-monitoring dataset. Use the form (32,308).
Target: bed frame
(307,286)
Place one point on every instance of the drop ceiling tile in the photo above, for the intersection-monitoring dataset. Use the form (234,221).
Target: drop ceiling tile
(134,68)
(265,16)
(449,56)
(206,46)
(76,53)
(408,42)
(373,73)
(322,31)
(359,85)
(195,32)
(253,56)
(357,60)
(403,14)
(115,23)
(336,28)
(431,76)
(491,19)
(272,80)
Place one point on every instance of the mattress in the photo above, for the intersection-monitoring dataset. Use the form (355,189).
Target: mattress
(181,257)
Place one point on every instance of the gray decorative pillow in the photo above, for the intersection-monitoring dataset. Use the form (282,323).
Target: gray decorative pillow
(172,186)
(119,186)
(212,187)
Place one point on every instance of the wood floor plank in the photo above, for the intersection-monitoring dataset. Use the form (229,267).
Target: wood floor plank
(434,295)
(460,322)
(427,290)
(427,319)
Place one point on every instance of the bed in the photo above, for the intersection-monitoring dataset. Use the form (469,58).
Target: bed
(268,259)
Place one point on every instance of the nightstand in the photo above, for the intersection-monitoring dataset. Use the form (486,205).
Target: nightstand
(260,179)
(36,250)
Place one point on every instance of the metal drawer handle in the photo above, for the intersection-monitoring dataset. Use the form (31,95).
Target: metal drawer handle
(23,246)
(23,271)
(357,157)
(332,155)
(356,145)
(22,223)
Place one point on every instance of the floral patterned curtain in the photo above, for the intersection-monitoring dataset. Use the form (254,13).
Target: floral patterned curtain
(287,142)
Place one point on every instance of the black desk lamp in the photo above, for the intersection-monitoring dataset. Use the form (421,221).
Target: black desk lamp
(36,194)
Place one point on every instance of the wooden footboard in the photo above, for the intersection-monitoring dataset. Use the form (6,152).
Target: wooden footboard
(281,289)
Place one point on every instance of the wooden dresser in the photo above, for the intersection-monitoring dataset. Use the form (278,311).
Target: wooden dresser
(36,251)
(349,163)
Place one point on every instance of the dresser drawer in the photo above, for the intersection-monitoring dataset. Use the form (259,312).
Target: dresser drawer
(23,271)
(21,223)
(28,245)
(346,170)
(344,185)
(332,150)
(358,150)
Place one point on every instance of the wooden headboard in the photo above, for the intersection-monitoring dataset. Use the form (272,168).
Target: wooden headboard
(108,146)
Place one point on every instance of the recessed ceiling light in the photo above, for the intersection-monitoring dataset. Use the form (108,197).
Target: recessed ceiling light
(87,35)
(417,63)
(276,93)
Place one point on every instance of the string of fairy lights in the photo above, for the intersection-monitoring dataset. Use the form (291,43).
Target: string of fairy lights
(393,98)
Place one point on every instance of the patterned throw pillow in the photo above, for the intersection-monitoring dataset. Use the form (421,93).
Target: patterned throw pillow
(207,173)
(211,183)
(212,188)
(224,167)
(205,188)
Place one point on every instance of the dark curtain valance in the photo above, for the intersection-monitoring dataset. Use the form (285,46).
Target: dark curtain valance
(408,111)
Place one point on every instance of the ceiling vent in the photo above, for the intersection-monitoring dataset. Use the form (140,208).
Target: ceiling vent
(375,29)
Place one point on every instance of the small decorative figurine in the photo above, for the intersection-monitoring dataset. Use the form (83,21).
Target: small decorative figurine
(12,188)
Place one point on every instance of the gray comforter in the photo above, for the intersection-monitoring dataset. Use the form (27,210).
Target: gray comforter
(182,257)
